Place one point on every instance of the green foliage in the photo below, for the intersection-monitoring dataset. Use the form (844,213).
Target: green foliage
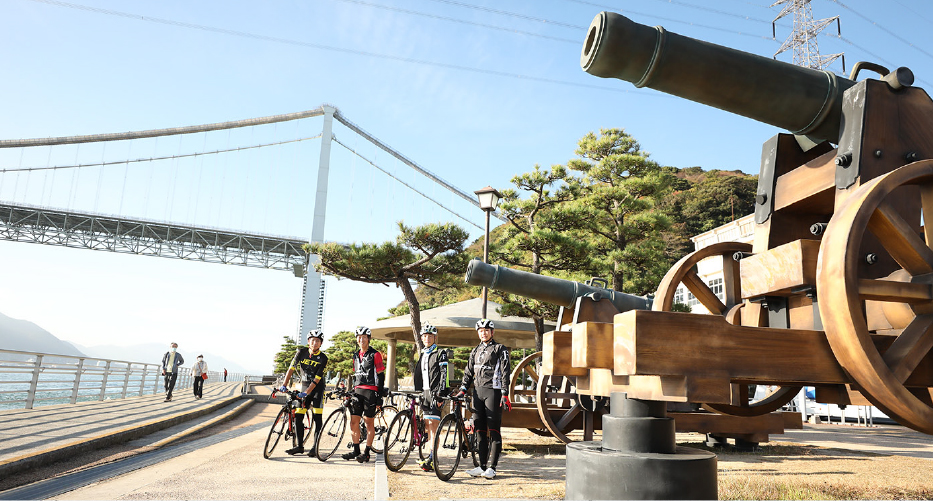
(620,190)
(343,345)
(430,255)
(285,354)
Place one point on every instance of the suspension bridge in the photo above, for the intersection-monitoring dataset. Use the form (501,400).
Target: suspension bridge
(223,193)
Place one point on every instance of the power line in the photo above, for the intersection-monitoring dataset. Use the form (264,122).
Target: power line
(463,21)
(512,14)
(266,38)
(662,18)
(882,28)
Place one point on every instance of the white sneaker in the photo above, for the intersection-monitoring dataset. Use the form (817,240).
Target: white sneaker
(490,473)
(475,472)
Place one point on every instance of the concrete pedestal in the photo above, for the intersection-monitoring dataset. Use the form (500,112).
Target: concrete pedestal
(638,458)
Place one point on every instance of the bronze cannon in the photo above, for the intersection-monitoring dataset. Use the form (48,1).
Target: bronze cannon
(836,290)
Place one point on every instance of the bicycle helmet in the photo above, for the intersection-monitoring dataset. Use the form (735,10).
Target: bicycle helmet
(364,331)
(484,323)
(316,334)
(428,329)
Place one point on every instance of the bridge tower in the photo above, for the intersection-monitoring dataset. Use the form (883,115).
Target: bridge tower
(312,302)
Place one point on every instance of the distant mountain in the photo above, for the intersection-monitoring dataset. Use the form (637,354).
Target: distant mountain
(23,335)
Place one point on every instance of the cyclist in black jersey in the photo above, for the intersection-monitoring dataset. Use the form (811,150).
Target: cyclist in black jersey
(311,364)
(488,370)
(431,378)
(369,387)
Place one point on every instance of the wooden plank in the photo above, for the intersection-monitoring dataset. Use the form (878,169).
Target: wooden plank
(591,342)
(814,179)
(780,270)
(709,422)
(887,290)
(684,344)
(555,355)
(588,310)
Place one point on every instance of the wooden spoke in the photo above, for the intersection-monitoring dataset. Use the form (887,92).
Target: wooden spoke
(685,272)
(842,291)
(897,292)
(703,293)
(900,240)
(926,203)
(531,372)
(568,416)
(910,347)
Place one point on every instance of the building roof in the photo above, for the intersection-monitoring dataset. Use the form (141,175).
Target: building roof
(456,325)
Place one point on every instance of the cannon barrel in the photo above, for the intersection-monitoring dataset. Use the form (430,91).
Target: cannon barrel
(546,289)
(801,100)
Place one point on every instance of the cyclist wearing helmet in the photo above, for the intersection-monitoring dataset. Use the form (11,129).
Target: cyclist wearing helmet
(310,362)
(369,382)
(488,370)
(431,378)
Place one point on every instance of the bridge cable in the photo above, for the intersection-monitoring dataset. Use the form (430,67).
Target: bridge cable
(126,169)
(153,159)
(408,185)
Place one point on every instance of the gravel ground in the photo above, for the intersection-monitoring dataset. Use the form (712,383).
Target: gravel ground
(533,467)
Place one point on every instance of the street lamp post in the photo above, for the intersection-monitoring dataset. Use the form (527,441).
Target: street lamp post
(488,199)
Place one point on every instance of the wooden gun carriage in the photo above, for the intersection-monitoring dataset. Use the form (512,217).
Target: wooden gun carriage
(836,291)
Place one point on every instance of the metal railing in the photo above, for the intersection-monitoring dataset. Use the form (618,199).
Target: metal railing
(30,379)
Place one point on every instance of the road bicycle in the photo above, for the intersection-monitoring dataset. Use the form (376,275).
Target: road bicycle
(405,433)
(454,440)
(331,435)
(284,424)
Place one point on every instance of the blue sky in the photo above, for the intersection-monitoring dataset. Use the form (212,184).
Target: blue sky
(475,91)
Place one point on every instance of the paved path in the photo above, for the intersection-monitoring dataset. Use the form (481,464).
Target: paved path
(883,439)
(33,437)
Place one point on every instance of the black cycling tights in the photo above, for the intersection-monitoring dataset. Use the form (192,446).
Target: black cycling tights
(487,415)
(317,421)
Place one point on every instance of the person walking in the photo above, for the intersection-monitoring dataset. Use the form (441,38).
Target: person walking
(488,370)
(171,362)
(199,373)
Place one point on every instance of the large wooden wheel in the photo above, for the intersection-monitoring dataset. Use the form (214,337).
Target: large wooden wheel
(877,223)
(560,409)
(685,271)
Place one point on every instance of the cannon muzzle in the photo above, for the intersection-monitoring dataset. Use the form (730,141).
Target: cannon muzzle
(801,100)
(547,289)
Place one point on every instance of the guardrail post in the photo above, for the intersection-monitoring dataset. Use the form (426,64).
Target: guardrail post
(78,372)
(31,396)
(103,384)
(126,378)
(142,379)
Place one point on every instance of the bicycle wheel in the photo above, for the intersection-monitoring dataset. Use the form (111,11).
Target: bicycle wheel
(447,446)
(398,440)
(330,436)
(381,423)
(275,433)
(425,447)
(309,424)
(473,442)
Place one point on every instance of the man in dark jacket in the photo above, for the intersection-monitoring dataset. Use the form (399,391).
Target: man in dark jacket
(432,379)
(171,362)
(488,370)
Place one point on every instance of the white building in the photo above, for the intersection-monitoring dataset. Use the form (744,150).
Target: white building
(710,269)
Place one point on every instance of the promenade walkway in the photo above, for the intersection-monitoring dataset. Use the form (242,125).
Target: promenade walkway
(34,437)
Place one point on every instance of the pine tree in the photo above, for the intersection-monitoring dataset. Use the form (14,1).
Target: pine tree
(620,188)
(430,255)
